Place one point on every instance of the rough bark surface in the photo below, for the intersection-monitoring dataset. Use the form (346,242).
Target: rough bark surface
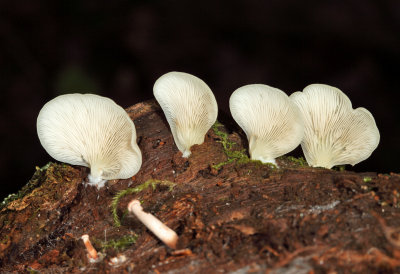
(231,214)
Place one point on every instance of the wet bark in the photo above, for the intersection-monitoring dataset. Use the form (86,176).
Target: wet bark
(231,214)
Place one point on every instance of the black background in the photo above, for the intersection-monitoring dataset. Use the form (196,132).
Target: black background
(119,48)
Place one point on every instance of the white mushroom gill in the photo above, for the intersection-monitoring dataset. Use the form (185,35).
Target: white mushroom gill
(335,133)
(272,122)
(93,131)
(189,106)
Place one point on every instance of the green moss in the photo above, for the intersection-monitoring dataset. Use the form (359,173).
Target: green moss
(299,161)
(5,239)
(367,179)
(31,185)
(119,244)
(237,156)
(149,183)
(340,168)
(32,271)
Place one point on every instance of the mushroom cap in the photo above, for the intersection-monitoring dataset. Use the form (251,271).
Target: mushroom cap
(189,106)
(272,122)
(334,132)
(93,131)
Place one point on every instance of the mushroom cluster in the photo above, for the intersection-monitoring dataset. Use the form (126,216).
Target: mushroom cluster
(321,118)
(92,131)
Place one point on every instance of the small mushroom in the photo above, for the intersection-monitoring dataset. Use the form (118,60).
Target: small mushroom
(189,106)
(334,132)
(92,254)
(93,131)
(272,122)
(163,232)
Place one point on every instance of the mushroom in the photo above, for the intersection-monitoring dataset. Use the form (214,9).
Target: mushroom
(91,251)
(272,122)
(92,131)
(163,232)
(334,132)
(189,106)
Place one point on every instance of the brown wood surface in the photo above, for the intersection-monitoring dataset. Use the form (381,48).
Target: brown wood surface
(240,218)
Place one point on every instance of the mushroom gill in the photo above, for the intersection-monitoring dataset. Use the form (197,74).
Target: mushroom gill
(189,106)
(93,131)
(271,121)
(334,132)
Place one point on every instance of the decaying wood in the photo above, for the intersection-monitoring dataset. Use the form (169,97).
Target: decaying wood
(243,217)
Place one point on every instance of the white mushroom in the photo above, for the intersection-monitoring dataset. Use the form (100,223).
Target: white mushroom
(163,232)
(272,122)
(189,106)
(334,132)
(93,131)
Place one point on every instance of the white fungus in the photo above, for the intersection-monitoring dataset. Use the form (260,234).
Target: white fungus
(163,232)
(335,133)
(92,131)
(272,122)
(189,106)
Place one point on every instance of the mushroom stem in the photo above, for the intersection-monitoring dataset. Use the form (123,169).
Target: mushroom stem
(186,153)
(92,253)
(96,181)
(163,232)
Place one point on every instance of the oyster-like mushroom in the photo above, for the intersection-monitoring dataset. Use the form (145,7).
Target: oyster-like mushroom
(272,122)
(93,131)
(334,132)
(189,106)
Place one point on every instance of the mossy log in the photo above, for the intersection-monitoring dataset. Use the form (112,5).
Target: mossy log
(231,214)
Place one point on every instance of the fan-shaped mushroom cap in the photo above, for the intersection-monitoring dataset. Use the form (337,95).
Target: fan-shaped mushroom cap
(271,121)
(189,106)
(93,131)
(335,133)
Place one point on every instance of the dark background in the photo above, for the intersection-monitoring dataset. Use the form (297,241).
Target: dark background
(119,48)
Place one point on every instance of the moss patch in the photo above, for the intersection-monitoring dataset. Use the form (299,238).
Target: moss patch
(149,183)
(367,179)
(292,162)
(299,161)
(234,156)
(339,168)
(119,244)
(33,183)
